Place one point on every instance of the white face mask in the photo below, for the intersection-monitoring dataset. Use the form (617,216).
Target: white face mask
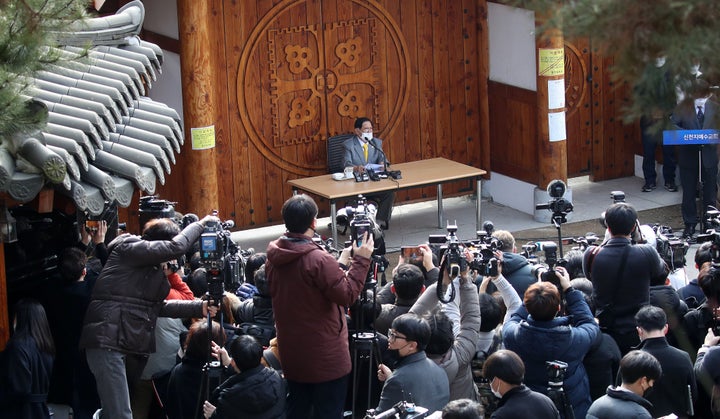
(367,136)
(495,393)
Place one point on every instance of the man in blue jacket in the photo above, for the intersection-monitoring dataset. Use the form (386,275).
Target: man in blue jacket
(537,335)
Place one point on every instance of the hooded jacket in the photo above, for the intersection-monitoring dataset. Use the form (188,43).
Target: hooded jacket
(130,293)
(309,292)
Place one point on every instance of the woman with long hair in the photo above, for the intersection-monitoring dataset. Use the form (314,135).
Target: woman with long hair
(26,364)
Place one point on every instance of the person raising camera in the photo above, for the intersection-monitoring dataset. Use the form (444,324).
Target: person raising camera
(537,336)
(621,273)
(309,291)
(128,297)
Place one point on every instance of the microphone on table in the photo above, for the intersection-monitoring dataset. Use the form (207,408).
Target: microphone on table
(395,174)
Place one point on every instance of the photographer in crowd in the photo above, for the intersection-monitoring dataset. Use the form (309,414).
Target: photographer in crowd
(453,353)
(516,269)
(621,273)
(309,291)
(254,391)
(415,377)
(537,336)
(407,285)
(126,301)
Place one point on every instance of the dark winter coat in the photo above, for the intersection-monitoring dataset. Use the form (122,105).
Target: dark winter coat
(309,294)
(621,293)
(665,297)
(518,272)
(620,404)
(130,293)
(521,402)
(670,392)
(602,363)
(258,393)
(566,339)
(24,380)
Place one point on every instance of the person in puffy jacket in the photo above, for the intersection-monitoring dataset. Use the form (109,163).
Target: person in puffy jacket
(128,297)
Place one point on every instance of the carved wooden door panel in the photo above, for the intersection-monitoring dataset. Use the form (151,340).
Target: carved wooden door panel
(327,63)
(578,117)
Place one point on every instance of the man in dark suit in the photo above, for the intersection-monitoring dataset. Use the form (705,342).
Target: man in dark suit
(416,378)
(697,112)
(676,385)
(363,149)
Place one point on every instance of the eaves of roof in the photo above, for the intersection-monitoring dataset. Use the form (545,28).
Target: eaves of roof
(105,139)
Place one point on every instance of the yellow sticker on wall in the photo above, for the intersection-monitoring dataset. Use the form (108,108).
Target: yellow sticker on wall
(551,62)
(203,137)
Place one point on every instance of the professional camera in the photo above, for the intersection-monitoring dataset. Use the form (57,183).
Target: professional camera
(482,249)
(222,258)
(582,242)
(558,205)
(671,248)
(546,271)
(401,410)
(361,220)
(556,376)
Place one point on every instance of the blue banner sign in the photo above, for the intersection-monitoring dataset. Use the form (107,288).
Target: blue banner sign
(691,136)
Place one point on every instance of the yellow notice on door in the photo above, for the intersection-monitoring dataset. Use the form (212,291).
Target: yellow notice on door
(551,62)
(203,137)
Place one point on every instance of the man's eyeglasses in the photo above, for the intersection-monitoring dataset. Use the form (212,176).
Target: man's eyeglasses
(392,335)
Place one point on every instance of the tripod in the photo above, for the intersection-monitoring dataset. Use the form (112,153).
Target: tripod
(211,376)
(364,346)
(557,395)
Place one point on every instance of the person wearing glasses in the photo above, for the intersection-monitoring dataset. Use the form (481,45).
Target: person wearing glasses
(364,149)
(416,379)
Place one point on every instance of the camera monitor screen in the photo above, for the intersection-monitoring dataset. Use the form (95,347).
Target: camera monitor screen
(208,244)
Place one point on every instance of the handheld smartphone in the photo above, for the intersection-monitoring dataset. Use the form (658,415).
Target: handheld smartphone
(91,225)
(411,253)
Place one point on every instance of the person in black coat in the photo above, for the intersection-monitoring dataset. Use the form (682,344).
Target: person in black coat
(675,390)
(505,371)
(255,391)
(639,371)
(187,379)
(26,364)
(621,273)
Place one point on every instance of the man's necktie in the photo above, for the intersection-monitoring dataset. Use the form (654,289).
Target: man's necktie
(700,116)
(365,151)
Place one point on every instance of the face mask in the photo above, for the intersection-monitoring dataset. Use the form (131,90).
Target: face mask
(647,392)
(495,393)
(367,136)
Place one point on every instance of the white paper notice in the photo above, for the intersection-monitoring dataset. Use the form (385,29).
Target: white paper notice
(556,94)
(556,126)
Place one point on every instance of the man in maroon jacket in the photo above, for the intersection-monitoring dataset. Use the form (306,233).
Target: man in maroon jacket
(310,291)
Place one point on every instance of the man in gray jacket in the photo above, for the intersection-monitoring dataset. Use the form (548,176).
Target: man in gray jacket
(416,379)
(127,299)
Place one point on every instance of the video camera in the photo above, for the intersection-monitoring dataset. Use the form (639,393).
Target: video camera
(222,258)
(361,220)
(558,205)
(582,242)
(556,376)
(671,248)
(482,249)
(546,271)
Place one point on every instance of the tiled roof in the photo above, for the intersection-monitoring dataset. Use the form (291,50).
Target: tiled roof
(104,138)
